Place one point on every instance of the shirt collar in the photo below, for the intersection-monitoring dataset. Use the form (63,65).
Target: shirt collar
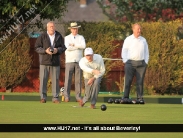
(51,35)
(73,35)
(135,37)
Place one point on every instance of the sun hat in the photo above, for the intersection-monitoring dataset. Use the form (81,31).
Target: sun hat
(74,25)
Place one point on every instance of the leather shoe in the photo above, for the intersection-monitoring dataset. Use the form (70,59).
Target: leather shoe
(81,104)
(92,106)
(43,101)
(66,100)
(56,101)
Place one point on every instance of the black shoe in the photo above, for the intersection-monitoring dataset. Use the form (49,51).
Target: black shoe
(110,101)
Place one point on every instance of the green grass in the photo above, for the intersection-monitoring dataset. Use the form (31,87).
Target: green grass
(35,112)
(26,112)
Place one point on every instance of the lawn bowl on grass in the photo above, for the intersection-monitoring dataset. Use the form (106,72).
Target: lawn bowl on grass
(103,107)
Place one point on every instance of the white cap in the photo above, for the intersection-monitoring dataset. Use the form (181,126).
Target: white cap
(88,51)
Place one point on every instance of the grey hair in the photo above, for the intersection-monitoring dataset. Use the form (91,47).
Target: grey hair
(50,22)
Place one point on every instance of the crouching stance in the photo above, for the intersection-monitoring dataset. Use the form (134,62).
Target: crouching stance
(93,70)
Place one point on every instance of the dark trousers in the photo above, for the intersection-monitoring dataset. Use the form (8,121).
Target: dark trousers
(138,69)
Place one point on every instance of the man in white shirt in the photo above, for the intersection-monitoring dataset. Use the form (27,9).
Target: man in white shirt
(75,45)
(135,55)
(93,70)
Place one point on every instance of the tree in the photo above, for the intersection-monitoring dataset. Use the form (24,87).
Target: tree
(17,15)
(21,11)
(145,10)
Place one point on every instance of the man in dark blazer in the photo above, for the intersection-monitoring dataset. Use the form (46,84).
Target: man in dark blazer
(49,46)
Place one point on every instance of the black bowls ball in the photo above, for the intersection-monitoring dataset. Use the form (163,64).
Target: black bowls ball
(103,107)
(110,100)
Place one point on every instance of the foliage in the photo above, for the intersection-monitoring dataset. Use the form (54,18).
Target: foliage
(164,73)
(144,10)
(90,30)
(20,11)
(15,61)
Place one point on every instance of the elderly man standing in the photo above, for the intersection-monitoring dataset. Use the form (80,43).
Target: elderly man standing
(93,70)
(49,46)
(135,55)
(75,45)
